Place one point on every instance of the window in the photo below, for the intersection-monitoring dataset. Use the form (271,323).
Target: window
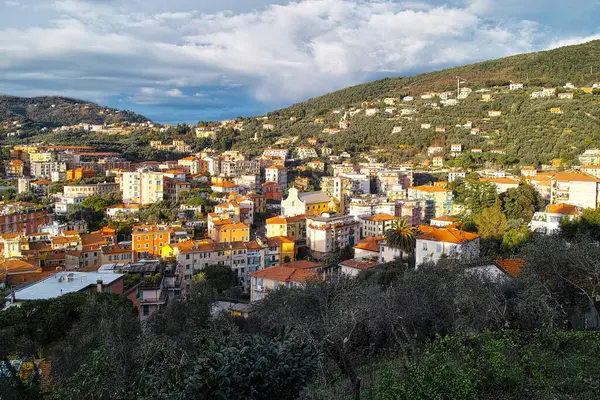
(146,310)
(424,246)
(438,248)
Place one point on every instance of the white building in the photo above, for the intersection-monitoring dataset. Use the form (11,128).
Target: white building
(142,187)
(277,174)
(377,225)
(329,233)
(305,152)
(578,189)
(67,203)
(549,222)
(454,175)
(515,86)
(435,242)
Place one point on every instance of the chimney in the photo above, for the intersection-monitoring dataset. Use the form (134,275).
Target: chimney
(99,286)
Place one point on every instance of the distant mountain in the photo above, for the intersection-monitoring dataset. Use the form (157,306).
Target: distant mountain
(53,111)
(510,127)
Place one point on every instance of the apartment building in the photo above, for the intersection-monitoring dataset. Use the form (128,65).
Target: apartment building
(41,170)
(293,228)
(377,225)
(23,217)
(277,174)
(97,189)
(329,233)
(142,187)
(438,200)
(148,240)
(578,189)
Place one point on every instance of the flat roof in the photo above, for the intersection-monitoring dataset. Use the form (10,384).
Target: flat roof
(63,283)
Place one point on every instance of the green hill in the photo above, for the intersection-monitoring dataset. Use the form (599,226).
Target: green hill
(526,132)
(53,111)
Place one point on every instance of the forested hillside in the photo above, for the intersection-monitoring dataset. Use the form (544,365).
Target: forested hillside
(37,112)
(551,68)
(526,131)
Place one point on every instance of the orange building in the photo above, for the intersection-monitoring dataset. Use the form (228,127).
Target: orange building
(272,191)
(229,233)
(23,217)
(147,240)
(80,173)
(14,168)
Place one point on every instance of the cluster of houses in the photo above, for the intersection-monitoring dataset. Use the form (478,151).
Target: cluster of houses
(260,215)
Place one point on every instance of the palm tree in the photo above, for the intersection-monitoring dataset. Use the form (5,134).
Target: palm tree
(402,236)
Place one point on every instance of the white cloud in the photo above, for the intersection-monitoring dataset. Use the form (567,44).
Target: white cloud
(572,41)
(280,52)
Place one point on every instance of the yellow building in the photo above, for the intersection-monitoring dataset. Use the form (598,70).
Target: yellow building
(279,250)
(555,110)
(293,228)
(229,233)
(40,157)
(79,173)
(306,203)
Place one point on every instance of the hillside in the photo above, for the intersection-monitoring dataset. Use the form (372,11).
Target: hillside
(36,112)
(526,131)
(553,67)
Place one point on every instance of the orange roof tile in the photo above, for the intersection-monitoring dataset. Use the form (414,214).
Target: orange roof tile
(285,274)
(370,243)
(574,176)
(512,266)
(301,264)
(564,209)
(360,264)
(448,235)
(381,217)
(430,189)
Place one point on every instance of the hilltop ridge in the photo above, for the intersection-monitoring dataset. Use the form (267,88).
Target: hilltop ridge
(53,111)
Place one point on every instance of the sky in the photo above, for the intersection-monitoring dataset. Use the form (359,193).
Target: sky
(190,60)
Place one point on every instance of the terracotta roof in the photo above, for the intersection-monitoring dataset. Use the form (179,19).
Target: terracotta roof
(42,182)
(574,176)
(448,235)
(301,264)
(370,244)
(380,217)
(430,189)
(512,266)
(278,240)
(286,220)
(91,239)
(285,274)
(238,225)
(564,209)
(276,166)
(224,184)
(359,264)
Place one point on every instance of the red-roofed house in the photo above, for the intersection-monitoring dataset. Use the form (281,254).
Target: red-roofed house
(272,278)
(353,267)
(549,221)
(433,242)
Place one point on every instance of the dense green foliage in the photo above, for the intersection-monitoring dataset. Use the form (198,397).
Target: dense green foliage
(56,111)
(526,131)
(99,351)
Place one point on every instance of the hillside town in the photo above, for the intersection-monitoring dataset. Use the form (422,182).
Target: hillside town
(80,219)
(76,214)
